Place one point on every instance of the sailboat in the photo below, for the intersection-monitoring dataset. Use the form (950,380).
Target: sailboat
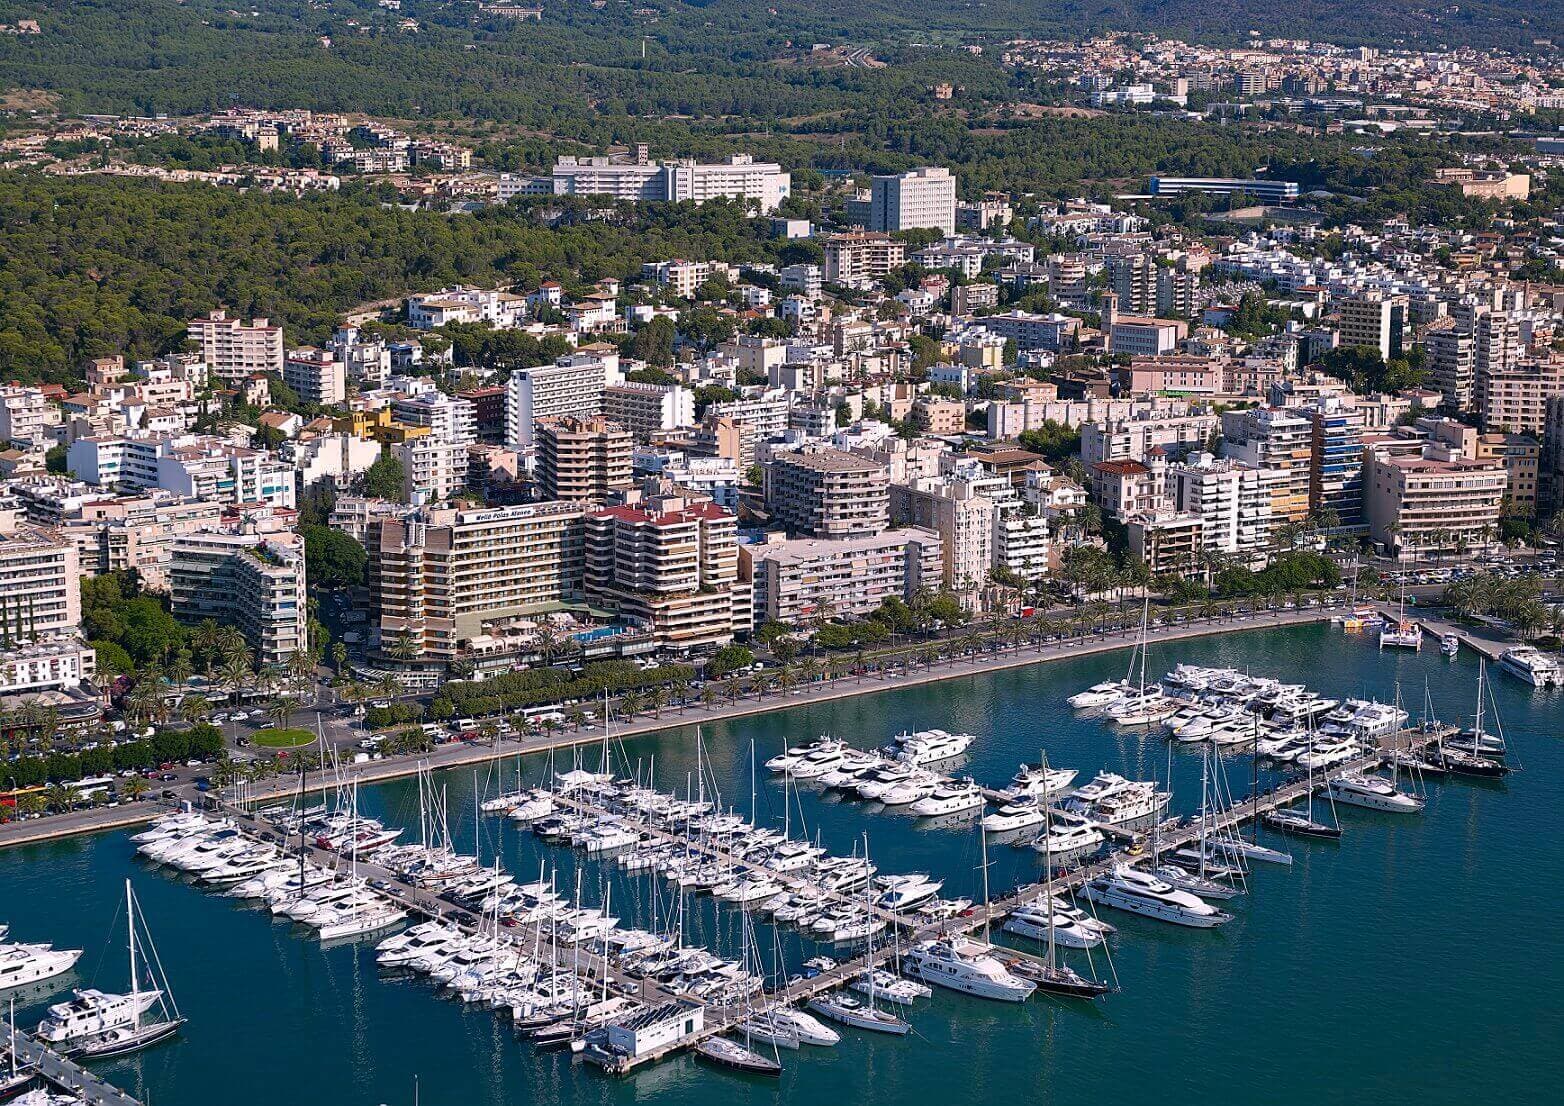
(743,1057)
(846,1010)
(14,1075)
(1474,753)
(98,1025)
(1301,823)
(1051,976)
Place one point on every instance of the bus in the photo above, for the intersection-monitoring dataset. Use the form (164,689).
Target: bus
(92,787)
(8,799)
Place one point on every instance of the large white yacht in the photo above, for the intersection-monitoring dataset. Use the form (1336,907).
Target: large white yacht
(1100,695)
(962,964)
(1373,793)
(1142,893)
(1035,779)
(930,747)
(1111,800)
(1532,665)
(24,964)
(1068,837)
(955,797)
(1018,815)
(91,1012)
(1073,928)
(797,754)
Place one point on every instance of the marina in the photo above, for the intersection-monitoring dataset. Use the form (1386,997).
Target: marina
(949,853)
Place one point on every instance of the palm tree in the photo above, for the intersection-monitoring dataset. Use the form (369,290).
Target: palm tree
(280,711)
(339,657)
(206,638)
(404,647)
(180,669)
(656,699)
(301,666)
(59,798)
(194,707)
(787,678)
(709,696)
(576,717)
(631,704)
(142,702)
(732,690)
(388,686)
(235,676)
(134,788)
(489,730)
(31,804)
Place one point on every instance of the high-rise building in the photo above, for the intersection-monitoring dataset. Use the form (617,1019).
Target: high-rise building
(583,460)
(441,577)
(434,464)
(826,493)
(233,350)
(859,255)
(1514,399)
(1270,438)
(1452,366)
(1418,506)
(920,198)
(1133,278)
(645,408)
(573,385)
(1374,320)
(671,564)
(253,581)
(1336,460)
(846,577)
(40,583)
(1230,499)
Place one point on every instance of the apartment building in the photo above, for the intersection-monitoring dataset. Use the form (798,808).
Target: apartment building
(57,662)
(1418,505)
(316,375)
(1271,438)
(1126,488)
(1374,320)
(500,310)
(923,198)
(583,460)
(1168,542)
(40,582)
(234,350)
(794,579)
(253,581)
(740,177)
(860,256)
(439,578)
(1231,500)
(1133,279)
(191,465)
(646,408)
(681,278)
(1452,366)
(434,462)
(963,518)
(1514,399)
(573,385)
(672,565)
(826,493)
(1335,459)
(27,418)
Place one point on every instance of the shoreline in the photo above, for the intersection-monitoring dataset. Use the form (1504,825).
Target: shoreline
(461,754)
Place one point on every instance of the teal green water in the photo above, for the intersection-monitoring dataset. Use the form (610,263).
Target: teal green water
(1418,960)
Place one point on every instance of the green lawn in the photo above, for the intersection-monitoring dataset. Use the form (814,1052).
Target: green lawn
(273,738)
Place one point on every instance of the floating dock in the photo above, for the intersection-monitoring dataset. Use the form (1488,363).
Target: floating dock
(64,1074)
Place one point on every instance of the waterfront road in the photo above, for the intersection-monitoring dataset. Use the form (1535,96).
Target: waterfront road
(340,729)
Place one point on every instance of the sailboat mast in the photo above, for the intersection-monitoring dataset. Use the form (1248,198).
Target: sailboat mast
(130,920)
(1048,861)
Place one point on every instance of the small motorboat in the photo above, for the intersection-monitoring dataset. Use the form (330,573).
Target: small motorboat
(1449,644)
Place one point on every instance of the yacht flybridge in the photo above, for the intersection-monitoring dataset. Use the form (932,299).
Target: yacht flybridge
(966,965)
(1130,889)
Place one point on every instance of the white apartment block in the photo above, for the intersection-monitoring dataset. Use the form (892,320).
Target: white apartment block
(573,385)
(1232,501)
(849,577)
(681,278)
(1269,438)
(58,662)
(26,417)
(1418,506)
(858,257)
(500,310)
(920,198)
(253,581)
(40,581)
(645,408)
(233,350)
(194,466)
(316,375)
(740,177)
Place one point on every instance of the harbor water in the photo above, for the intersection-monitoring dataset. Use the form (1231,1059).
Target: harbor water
(1419,959)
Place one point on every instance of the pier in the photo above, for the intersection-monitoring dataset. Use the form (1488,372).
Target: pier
(63,1073)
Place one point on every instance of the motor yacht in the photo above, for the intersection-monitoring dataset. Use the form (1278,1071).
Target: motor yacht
(1111,800)
(900,893)
(1100,695)
(955,797)
(1035,779)
(91,1012)
(24,964)
(885,986)
(1072,928)
(1068,837)
(929,747)
(963,964)
(1127,888)
(797,754)
(1373,793)
(1449,644)
(1532,665)
(914,789)
(1021,814)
